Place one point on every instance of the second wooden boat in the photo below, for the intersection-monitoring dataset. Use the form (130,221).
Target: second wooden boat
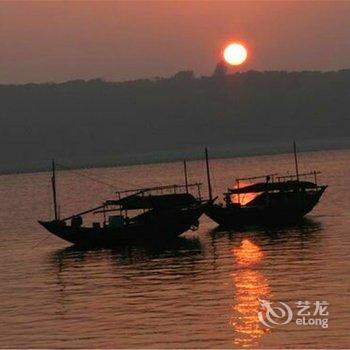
(270,199)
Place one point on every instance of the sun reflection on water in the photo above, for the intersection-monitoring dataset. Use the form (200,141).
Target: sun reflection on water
(248,253)
(250,285)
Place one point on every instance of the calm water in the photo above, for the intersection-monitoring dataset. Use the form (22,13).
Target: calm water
(199,292)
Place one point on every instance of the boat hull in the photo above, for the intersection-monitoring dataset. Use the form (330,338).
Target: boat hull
(281,209)
(164,225)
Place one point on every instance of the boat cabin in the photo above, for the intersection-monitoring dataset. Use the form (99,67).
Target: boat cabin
(255,192)
(139,205)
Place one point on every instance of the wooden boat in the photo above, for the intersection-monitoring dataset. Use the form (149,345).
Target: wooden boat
(156,213)
(272,199)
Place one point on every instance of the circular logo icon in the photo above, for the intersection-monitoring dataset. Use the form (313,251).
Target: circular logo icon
(277,314)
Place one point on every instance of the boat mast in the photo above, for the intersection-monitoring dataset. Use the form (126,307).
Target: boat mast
(53,182)
(208,174)
(185,172)
(296,160)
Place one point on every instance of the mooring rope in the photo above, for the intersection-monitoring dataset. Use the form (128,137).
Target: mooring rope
(41,241)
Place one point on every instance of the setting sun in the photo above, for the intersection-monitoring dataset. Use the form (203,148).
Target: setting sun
(235,54)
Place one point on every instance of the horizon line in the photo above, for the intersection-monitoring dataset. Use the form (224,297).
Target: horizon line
(156,78)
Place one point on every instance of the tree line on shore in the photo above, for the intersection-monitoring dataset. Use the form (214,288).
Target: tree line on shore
(97,118)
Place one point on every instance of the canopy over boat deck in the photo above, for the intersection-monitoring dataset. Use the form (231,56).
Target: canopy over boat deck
(162,201)
(274,186)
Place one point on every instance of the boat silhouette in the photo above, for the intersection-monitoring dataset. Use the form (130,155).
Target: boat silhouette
(143,214)
(274,199)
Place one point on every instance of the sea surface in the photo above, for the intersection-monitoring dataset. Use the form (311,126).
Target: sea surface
(201,291)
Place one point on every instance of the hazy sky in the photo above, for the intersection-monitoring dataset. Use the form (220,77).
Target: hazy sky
(57,41)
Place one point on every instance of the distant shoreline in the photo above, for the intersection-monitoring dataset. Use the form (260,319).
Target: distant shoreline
(216,152)
(87,124)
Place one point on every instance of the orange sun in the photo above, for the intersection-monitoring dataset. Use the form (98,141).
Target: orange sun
(235,54)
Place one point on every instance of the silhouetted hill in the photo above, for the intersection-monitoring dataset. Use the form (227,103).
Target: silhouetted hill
(95,122)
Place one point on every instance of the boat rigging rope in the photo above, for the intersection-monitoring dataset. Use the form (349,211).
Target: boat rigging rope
(128,184)
(86,176)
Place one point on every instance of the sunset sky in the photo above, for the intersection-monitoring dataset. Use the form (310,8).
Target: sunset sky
(58,41)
